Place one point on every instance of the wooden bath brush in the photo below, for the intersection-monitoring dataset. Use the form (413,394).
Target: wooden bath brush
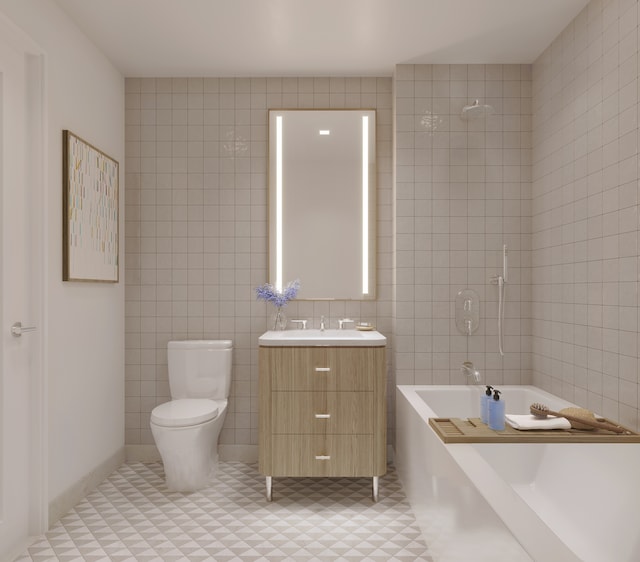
(579,418)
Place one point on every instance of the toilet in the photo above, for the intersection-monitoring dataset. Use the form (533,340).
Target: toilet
(186,428)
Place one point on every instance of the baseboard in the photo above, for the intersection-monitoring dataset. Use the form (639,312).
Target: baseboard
(19,550)
(149,453)
(142,453)
(60,505)
(240,453)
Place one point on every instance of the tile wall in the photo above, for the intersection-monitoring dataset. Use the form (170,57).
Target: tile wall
(585,212)
(196,242)
(196,226)
(463,189)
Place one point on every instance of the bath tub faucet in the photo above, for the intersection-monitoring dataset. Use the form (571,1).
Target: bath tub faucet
(471,372)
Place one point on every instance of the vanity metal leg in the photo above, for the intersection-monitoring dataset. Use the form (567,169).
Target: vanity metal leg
(375,485)
(269,484)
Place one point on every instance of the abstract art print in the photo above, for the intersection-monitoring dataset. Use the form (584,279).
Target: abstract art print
(90,212)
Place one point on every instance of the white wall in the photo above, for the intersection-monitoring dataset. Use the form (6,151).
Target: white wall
(85,321)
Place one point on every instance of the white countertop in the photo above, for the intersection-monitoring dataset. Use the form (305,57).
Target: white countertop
(314,337)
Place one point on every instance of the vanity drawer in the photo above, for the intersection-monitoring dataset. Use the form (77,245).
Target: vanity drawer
(329,455)
(322,412)
(322,368)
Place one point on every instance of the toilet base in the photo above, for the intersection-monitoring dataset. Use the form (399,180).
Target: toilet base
(189,454)
(181,478)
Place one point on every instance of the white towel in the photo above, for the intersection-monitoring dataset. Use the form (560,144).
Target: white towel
(529,421)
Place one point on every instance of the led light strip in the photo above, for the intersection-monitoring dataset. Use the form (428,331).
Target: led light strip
(279,202)
(365,205)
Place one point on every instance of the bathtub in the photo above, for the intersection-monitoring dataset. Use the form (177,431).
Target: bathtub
(550,502)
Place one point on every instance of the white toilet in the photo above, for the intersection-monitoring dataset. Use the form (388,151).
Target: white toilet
(186,429)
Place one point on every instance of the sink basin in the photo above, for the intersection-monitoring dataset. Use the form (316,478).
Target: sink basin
(345,338)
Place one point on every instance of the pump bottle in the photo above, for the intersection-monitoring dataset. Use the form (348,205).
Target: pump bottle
(484,404)
(496,412)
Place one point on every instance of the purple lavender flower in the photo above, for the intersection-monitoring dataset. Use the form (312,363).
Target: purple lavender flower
(269,293)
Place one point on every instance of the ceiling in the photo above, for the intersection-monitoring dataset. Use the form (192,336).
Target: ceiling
(315,37)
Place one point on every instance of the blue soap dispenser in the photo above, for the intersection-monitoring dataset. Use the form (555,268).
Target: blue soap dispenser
(484,404)
(496,411)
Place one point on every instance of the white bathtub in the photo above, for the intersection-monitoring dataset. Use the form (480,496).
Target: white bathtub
(511,502)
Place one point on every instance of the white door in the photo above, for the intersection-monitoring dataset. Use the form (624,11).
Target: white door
(21,396)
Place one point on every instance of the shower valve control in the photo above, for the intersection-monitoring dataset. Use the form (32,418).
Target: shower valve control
(467,311)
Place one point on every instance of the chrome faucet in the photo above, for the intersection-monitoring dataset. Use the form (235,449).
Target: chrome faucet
(471,372)
(322,323)
(302,323)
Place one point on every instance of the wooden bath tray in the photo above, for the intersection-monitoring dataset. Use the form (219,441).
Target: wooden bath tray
(472,430)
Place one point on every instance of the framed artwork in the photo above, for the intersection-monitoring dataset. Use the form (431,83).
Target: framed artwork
(90,212)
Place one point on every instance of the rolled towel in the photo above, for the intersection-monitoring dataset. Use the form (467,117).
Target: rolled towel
(528,421)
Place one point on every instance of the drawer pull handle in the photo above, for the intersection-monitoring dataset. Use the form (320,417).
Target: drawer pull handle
(323,416)
(323,457)
(323,369)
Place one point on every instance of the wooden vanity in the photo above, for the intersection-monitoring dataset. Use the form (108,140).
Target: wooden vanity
(322,411)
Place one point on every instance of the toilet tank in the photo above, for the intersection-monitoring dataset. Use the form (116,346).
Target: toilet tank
(199,368)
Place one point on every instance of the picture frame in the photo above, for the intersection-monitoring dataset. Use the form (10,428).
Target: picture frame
(90,203)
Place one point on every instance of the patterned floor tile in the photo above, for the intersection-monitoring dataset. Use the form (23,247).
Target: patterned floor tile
(132,516)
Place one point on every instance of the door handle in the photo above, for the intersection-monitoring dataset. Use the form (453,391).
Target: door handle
(18,329)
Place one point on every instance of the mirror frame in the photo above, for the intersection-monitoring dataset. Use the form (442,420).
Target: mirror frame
(368,205)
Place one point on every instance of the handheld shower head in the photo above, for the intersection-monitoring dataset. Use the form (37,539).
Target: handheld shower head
(504,262)
(476,111)
(501,280)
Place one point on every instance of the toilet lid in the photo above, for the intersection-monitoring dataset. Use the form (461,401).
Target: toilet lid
(186,411)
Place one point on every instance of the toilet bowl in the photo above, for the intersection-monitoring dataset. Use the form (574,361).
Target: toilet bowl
(186,435)
(186,429)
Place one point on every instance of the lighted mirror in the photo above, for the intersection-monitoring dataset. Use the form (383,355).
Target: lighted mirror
(322,205)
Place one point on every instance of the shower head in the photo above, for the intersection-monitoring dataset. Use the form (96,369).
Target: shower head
(476,110)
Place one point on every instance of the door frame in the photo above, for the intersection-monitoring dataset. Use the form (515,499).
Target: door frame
(35,67)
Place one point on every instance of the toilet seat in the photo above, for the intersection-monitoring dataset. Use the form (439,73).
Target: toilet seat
(185,412)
